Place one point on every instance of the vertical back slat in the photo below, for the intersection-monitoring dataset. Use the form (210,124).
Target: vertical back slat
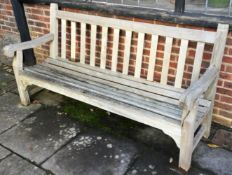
(197,61)
(73,40)
(115,50)
(126,59)
(83,39)
(93,45)
(166,60)
(104,47)
(152,58)
(63,38)
(139,55)
(181,63)
(54,30)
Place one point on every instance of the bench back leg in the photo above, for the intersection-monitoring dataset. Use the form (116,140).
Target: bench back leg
(22,88)
(210,95)
(187,139)
(218,52)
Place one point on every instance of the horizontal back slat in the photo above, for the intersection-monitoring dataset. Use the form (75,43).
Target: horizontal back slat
(173,32)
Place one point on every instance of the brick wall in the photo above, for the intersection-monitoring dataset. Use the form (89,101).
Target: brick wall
(38,19)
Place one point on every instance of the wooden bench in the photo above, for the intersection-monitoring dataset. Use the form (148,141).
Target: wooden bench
(183,114)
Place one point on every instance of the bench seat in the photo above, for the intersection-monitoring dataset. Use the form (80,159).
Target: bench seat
(157,101)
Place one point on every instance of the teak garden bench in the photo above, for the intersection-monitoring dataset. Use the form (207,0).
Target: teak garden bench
(183,114)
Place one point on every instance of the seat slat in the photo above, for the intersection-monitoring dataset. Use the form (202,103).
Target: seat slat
(152,58)
(181,63)
(166,60)
(115,50)
(119,86)
(116,74)
(83,38)
(115,77)
(103,47)
(92,79)
(93,45)
(73,40)
(197,61)
(120,79)
(113,93)
(127,52)
(152,105)
(63,38)
(139,55)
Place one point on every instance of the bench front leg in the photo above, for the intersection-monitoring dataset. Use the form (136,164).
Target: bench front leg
(187,138)
(22,87)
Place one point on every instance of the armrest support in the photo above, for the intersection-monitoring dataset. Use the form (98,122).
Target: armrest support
(10,50)
(194,92)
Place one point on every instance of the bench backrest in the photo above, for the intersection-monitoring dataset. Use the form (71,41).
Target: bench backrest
(134,48)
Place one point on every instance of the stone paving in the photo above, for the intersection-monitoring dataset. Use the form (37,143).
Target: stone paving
(41,139)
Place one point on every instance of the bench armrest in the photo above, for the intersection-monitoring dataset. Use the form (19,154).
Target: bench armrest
(194,92)
(10,50)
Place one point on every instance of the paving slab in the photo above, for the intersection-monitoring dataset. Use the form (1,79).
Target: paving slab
(217,160)
(158,140)
(93,153)
(223,138)
(12,112)
(49,98)
(40,135)
(4,152)
(15,165)
(152,162)
(7,81)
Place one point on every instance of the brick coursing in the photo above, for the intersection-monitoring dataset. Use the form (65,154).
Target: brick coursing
(38,20)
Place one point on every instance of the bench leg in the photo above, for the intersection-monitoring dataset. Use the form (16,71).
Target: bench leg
(23,93)
(187,137)
(22,87)
(208,122)
(210,95)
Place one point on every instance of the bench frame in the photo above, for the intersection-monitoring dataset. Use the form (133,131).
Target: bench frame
(184,134)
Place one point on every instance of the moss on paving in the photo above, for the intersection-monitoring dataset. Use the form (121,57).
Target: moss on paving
(95,117)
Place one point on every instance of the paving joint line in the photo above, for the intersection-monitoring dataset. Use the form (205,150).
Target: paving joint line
(28,160)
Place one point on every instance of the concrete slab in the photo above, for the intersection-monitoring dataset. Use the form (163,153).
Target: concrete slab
(151,162)
(14,165)
(157,139)
(216,160)
(40,135)
(49,98)
(5,76)
(11,111)
(4,153)
(223,138)
(93,153)
(7,81)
